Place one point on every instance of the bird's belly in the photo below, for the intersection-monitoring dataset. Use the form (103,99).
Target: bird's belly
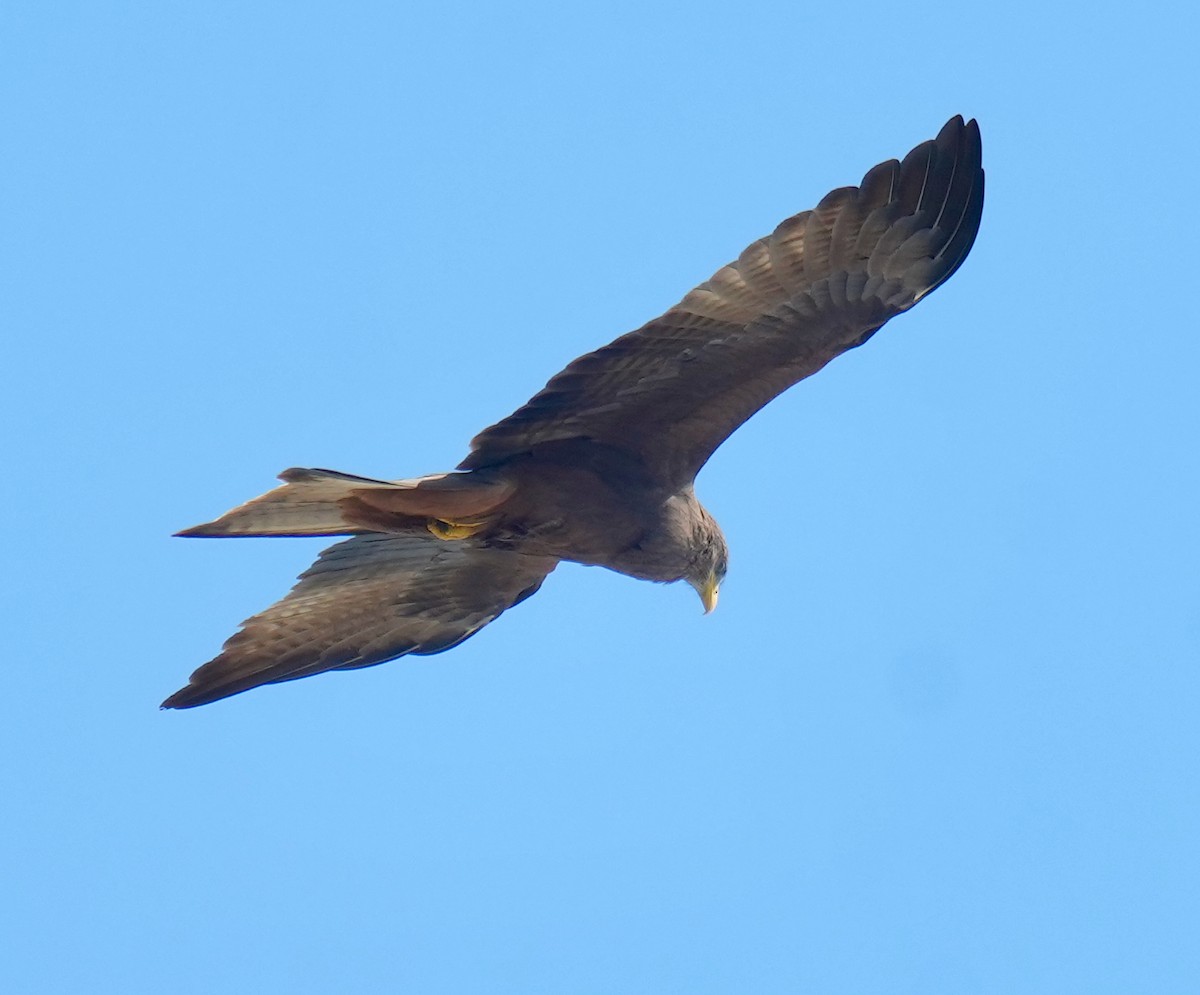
(584,504)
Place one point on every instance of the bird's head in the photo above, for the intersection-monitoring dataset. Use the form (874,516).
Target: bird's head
(709,562)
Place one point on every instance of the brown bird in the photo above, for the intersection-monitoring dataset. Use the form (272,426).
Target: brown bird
(598,467)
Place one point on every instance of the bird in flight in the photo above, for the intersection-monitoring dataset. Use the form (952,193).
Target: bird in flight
(598,467)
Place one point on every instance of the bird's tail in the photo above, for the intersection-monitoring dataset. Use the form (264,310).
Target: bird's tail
(327,503)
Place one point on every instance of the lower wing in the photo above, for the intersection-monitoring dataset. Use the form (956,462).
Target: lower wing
(365,601)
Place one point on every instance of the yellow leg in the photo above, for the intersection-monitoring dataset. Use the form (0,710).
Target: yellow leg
(452,530)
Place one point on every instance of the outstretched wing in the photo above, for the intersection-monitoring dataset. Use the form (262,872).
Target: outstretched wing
(365,601)
(822,283)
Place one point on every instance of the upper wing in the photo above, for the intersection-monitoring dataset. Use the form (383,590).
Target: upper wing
(822,283)
(365,601)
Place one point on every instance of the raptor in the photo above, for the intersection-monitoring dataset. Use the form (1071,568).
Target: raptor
(599,466)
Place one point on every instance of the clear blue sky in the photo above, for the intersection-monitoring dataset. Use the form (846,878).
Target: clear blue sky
(942,733)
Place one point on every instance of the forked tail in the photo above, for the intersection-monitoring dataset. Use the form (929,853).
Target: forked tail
(328,503)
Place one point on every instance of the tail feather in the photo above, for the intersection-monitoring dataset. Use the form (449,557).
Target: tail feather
(306,505)
(329,503)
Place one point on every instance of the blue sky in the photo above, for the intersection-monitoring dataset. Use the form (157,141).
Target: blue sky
(940,736)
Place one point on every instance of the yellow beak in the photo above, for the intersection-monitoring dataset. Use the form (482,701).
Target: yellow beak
(708,593)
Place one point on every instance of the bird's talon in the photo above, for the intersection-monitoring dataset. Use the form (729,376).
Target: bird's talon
(452,530)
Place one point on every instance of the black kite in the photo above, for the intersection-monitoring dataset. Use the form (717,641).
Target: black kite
(598,467)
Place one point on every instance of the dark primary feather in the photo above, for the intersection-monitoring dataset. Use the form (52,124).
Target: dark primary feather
(820,284)
(368,600)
